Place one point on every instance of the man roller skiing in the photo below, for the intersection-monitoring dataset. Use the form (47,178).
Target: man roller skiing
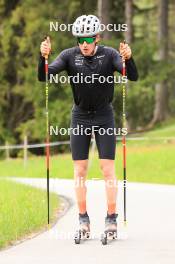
(92,107)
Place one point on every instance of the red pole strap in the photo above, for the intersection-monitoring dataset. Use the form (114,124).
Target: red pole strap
(124,69)
(46,66)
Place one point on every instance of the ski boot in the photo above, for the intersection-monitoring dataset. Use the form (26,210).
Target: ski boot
(110,229)
(84,230)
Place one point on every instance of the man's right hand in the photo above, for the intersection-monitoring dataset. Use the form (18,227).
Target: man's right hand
(45,47)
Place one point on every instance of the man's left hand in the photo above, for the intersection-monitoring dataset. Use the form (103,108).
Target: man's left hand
(125,51)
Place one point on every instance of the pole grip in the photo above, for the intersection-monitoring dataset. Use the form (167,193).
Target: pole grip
(46,56)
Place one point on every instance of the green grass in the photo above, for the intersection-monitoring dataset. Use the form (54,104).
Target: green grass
(23,210)
(147,161)
(162,133)
(165,129)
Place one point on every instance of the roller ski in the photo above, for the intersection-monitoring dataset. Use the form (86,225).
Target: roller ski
(110,232)
(84,231)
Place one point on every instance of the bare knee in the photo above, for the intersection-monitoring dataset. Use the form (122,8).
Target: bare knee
(108,168)
(80,168)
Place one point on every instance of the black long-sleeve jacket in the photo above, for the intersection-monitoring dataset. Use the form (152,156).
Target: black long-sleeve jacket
(92,94)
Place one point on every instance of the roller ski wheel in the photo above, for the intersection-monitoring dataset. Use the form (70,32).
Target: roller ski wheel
(81,234)
(84,232)
(77,237)
(110,232)
(104,239)
(108,236)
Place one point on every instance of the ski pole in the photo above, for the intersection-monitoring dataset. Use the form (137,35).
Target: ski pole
(47,138)
(123,137)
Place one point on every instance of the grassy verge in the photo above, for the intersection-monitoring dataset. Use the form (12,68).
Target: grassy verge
(145,163)
(149,160)
(23,210)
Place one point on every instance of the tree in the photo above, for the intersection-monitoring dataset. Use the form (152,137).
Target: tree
(103,14)
(128,19)
(128,33)
(161,89)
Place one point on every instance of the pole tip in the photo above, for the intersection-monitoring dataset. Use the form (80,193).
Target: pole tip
(125,223)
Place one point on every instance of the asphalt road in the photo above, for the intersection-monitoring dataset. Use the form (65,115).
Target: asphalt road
(148,239)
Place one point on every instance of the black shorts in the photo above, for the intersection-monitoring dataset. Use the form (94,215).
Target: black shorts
(84,123)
